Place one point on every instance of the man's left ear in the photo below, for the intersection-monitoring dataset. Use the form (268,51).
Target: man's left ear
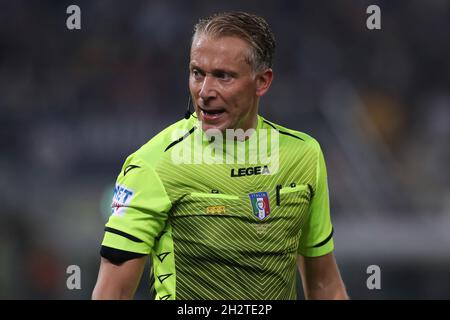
(263,82)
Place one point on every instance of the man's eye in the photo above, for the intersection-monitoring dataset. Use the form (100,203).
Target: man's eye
(196,74)
(223,76)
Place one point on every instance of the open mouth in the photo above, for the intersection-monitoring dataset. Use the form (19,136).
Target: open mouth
(211,113)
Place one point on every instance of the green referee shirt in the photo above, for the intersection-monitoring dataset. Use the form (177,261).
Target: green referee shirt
(227,227)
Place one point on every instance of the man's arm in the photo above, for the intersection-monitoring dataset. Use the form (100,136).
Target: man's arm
(321,278)
(118,281)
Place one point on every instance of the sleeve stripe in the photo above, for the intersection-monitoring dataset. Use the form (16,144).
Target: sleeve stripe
(180,139)
(123,234)
(326,240)
(282,132)
(118,256)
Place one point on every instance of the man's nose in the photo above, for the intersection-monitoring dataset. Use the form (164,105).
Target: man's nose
(208,89)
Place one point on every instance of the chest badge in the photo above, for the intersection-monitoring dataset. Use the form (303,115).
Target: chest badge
(260,204)
(215,209)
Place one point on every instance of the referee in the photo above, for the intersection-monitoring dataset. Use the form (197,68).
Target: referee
(227,203)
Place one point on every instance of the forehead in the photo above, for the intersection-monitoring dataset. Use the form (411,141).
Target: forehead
(219,51)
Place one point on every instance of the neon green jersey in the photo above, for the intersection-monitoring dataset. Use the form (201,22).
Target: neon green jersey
(223,230)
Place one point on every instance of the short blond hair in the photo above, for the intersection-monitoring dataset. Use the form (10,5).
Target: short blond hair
(251,28)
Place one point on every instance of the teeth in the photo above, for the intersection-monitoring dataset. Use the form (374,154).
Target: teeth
(211,112)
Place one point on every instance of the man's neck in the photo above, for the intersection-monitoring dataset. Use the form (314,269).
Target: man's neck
(252,126)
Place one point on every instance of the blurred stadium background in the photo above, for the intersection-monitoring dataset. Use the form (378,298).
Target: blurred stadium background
(74,104)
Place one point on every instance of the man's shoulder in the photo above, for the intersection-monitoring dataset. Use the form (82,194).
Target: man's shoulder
(155,149)
(292,136)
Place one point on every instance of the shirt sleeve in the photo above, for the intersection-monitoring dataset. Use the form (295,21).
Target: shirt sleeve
(316,238)
(139,208)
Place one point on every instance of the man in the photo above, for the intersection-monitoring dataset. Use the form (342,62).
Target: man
(217,229)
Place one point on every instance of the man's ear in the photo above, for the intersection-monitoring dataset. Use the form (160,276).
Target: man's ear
(263,82)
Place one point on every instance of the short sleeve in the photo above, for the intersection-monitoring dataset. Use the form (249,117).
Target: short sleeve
(139,208)
(316,238)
